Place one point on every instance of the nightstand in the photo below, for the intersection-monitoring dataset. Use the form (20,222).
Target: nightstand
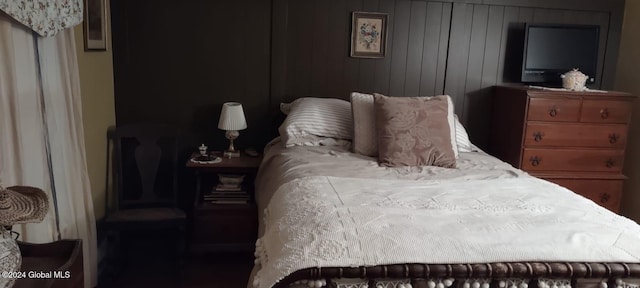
(230,225)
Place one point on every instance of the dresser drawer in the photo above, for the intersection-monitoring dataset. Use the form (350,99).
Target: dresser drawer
(605,111)
(606,193)
(575,135)
(534,159)
(553,109)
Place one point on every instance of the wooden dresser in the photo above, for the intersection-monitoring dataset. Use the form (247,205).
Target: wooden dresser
(574,139)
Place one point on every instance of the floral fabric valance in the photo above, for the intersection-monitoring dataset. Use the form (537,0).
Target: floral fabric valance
(45,17)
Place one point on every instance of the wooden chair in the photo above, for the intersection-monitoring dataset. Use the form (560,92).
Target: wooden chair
(144,168)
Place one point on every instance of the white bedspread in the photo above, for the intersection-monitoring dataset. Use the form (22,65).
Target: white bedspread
(359,214)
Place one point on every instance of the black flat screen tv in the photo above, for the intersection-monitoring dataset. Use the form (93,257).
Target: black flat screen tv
(553,49)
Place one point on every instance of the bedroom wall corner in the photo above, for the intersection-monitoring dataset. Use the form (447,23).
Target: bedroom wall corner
(98,112)
(628,79)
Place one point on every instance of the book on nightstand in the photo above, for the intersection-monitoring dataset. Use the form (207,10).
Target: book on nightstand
(214,196)
(226,201)
(227,194)
(225,187)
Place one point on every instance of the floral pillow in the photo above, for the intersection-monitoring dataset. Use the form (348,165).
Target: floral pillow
(414,131)
(364,127)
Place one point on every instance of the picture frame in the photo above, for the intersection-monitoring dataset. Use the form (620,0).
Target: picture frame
(368,34)
(95,25)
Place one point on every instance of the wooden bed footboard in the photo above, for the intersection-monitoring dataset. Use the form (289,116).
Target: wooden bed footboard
(488,275)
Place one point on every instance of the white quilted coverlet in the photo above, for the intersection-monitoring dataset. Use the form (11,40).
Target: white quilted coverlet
(338,221)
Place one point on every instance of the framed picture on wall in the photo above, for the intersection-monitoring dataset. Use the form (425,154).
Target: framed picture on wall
(95,25)
(368,34)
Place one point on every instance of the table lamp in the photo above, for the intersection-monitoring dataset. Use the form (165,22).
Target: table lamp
(232,120)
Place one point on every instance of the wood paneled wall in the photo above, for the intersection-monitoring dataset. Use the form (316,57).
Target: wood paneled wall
(179,63)
(486,50)
(459,48)
(311,55)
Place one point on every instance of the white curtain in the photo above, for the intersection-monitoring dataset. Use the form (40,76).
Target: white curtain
(41,135)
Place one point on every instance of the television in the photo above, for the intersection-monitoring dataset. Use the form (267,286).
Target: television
(550,50)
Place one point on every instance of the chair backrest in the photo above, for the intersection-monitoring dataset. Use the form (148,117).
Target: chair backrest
(144,165)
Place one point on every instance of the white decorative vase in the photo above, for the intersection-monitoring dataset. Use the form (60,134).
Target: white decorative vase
(574,80)
(10,258)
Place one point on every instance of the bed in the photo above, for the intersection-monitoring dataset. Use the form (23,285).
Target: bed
(332,217)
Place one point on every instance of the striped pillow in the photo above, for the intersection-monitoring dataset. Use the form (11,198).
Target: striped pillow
(311,120)
(462,138)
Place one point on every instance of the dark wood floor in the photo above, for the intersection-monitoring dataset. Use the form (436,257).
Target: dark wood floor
(146,265)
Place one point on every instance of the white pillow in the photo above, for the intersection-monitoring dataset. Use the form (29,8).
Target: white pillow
(311,120)
(364,126)
(462,138)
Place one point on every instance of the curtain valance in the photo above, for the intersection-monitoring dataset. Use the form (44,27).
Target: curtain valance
(45,17)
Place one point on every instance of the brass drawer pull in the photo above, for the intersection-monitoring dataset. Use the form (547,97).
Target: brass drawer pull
(604,113)
(553,111)
(535,161)
(604,198)
(537,136)
(613,138)
(610,163)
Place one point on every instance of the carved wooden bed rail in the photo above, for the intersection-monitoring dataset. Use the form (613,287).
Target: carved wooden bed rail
(499,275)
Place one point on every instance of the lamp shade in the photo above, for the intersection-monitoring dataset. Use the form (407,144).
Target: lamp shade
(232,117)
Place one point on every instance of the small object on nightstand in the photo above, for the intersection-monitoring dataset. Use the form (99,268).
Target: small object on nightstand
(251,152)
(203,150)
(204,157)
(229,154)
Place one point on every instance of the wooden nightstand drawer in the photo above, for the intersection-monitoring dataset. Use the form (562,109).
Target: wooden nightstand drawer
(606,193)
(596,160)
(553,109)
(575,135)
(225,224)
(605,111)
